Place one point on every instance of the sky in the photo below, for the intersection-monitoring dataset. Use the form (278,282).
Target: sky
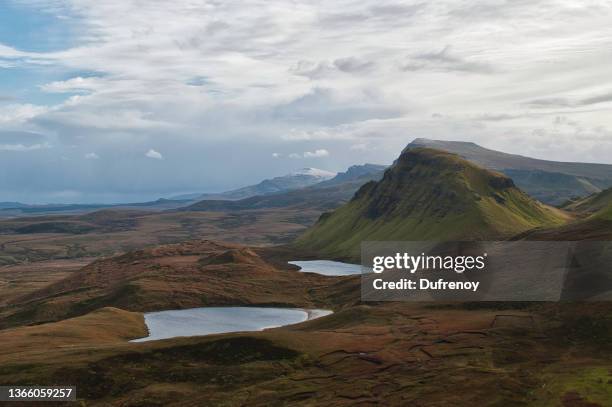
(131,100)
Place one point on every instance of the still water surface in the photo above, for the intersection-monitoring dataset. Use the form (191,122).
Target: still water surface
(328,267)
(215,320)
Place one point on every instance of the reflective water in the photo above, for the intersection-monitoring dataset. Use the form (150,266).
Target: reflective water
(215,320)
(328,267)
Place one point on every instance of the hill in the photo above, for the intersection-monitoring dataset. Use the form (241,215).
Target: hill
(593,221)
(185,275)
(596,205)
(429,194)
(101,221)
(295,180)
(552,182)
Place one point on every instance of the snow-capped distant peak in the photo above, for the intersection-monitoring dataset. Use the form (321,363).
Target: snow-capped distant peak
(315,172)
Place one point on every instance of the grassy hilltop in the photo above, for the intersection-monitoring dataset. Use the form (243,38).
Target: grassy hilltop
(429,194)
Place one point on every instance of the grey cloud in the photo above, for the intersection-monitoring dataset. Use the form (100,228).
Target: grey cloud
(320,107)
(445,60)
(493,10)
(550,102)
(318,70)
(342,18)
(396,10)
(353,64)
(597,99)
(566,102)
(313,70)
(488,117)
(216,26)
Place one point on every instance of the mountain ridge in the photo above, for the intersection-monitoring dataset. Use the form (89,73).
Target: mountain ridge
(294,180)
(429,194)
(325,195)
(552,182)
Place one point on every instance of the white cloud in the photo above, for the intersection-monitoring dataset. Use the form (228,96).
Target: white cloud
(218,65)
(276,155)
(316,154)
(19,113)
(311,154)
(23,147)
(77,84)
(92,156)
(154,154)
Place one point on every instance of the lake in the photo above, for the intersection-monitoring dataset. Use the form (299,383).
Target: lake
(328,267)
(216,320)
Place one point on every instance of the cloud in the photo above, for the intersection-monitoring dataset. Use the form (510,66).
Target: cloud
(550,102)
(604,98)
(353,64)
(154,154)
(276,155)
(567,102)
(445,60)
(76,84)
(318,70)
(92,156)
(22,147)
(317,153)
(219,84)
(311,154)
(19,113)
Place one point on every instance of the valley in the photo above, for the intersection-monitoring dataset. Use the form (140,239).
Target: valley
(77,290)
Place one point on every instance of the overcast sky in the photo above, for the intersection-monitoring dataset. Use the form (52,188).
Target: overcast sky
(124,100)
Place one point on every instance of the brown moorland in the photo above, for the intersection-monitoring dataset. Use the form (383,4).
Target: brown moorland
(381,354)
(109,232)
(186,275)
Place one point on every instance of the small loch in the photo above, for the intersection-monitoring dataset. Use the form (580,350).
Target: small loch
(216,320)
(328,267)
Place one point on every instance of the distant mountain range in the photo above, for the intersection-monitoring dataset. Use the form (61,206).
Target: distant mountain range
(295,180)
(429,195)
(9,205)
(325,195)
(551,182)
(329,191)
(11,209)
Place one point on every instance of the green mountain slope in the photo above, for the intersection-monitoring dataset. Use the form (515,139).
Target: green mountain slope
(596,205)
(593,221)
(427,195)
(552,182)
